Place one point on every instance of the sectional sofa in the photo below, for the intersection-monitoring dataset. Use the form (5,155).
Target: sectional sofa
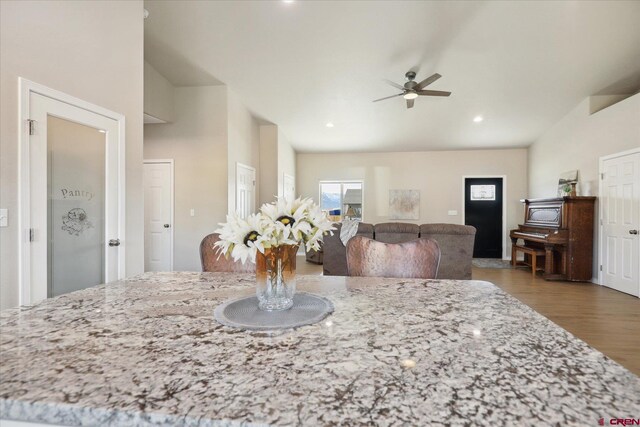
(455,241)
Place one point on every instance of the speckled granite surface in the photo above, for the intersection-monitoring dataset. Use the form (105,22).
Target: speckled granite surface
(147,351)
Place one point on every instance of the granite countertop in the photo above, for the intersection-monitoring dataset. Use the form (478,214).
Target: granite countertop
(147,351)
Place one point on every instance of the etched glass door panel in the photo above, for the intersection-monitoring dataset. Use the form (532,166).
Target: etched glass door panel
(76,184)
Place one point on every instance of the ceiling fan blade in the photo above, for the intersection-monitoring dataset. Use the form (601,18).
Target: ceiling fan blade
(433,93)
(426,82)
(410,103)
(387,97)
(396,85)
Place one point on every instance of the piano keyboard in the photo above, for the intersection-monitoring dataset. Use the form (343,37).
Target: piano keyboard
(529,235)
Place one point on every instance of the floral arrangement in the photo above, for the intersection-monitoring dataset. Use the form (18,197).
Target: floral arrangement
(279,223)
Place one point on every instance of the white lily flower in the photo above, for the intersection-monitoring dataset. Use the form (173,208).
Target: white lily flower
(284,222)
(241,238)
(320,225)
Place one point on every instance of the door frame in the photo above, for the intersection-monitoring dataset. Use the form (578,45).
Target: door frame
(504,207)
(173,203)
(601,206)
(25,89)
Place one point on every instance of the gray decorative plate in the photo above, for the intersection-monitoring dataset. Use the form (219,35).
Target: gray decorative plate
(244,313)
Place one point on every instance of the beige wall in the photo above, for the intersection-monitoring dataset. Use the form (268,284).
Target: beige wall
(197,141)
(577,142)
(437,174)
(90,50)
(158,94)
(268,163)
(277,157)
(244,145)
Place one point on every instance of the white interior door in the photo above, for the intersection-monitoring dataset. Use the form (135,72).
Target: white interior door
(245,190)
(289,187)
(158,216)
(620,214)
(73,200)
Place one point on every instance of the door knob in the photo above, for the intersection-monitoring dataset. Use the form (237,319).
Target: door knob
(114,242)
(167,226)
(633,231)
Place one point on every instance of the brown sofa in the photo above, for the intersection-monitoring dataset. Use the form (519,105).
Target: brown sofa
(456,245)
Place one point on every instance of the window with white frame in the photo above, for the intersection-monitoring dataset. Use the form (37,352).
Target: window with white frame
(342,199)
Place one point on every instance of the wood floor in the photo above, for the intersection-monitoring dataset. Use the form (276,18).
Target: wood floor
(605,319)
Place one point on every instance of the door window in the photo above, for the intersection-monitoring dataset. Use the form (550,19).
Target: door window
(483,192)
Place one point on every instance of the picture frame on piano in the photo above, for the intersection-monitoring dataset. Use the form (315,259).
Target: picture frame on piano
(567,183)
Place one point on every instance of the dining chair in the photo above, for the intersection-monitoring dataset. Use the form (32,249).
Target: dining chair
(418,258)
(212,260)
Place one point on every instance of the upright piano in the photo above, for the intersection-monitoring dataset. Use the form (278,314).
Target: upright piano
(563,228)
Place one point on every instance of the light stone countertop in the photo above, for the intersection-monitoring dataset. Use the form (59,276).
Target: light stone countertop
(147,351)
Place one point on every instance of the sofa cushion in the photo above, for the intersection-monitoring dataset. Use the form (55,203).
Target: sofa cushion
(396,232)
(439,228)
(313,256)
(456,244)
(334,252)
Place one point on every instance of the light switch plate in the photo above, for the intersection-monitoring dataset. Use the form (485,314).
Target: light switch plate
(4,217)
(452,213)
(193,212)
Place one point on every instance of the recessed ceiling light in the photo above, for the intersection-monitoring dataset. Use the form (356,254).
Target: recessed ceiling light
(329,125)
(102,131)
(478,119)
(287,1)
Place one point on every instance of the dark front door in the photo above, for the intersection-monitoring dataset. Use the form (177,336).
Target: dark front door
(483,210)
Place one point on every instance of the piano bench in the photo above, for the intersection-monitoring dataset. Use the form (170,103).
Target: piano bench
(533,254)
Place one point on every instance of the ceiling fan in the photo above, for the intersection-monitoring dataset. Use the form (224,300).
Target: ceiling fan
(412,89)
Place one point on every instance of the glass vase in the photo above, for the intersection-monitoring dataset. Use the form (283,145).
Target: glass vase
(276,277)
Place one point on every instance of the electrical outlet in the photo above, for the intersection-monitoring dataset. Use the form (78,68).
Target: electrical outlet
(4,217)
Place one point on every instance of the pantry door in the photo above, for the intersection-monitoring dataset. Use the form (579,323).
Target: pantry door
(73,212)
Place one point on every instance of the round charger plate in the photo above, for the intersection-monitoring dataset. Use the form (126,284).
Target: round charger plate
(244,313)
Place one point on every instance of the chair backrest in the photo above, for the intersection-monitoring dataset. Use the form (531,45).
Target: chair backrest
(415,259)
(212,260)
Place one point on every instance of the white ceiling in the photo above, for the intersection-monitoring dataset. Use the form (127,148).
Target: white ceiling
(521,65)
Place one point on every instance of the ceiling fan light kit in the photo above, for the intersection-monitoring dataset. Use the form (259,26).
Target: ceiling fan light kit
(412,89)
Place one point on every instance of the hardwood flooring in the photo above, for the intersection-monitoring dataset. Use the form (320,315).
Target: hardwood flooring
(605,319)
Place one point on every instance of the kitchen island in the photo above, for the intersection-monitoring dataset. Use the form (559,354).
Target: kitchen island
(147,351)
